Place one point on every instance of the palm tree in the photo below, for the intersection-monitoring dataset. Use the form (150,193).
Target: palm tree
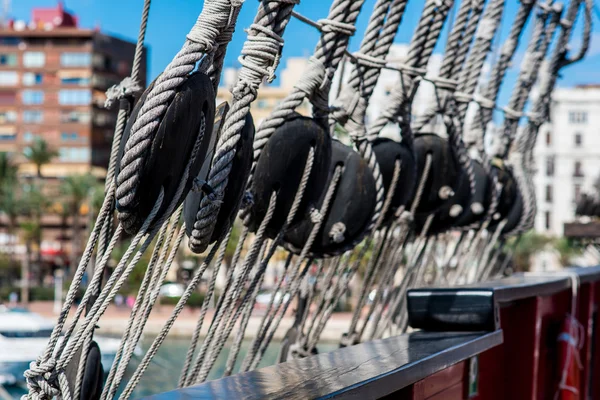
(40,154)
(8,170)
(33,206)
(76,190)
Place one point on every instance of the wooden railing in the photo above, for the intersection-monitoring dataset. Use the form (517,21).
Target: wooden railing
(513,354)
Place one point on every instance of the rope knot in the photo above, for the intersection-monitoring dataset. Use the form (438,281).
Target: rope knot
(42,379)
(315,216)
(333,26)
(126,88)
(337,232)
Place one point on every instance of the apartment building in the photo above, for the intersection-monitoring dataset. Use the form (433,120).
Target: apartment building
(53,76)
(567,156)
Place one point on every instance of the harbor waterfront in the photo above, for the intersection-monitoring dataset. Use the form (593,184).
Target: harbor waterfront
(115,320)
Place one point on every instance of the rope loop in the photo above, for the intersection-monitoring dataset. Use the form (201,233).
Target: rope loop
(313,76)
(43,379)
(332,26)
(367,60)
(267,47)
(128,87)
(442,83)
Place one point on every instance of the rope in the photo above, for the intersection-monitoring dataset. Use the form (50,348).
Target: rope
(421,47)
(201,40)
(259,59)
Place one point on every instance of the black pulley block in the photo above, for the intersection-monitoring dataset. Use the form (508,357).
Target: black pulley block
(238,177)
(514,215)
(387,152)
(280,168)
(168,156)
(509,191)
(479,202)
(443,178)
(93,376)
(464,208)
(351,208)
(447,214)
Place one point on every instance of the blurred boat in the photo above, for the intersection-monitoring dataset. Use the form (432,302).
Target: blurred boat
(23,337)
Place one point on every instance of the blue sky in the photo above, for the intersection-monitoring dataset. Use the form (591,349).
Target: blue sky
(170,20)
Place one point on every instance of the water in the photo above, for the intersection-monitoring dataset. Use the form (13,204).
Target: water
(163,372)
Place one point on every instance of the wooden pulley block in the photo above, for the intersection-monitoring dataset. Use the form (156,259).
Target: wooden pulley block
(447,215)
(443,178)
(93,375)
(388,152)
(479,202)
(236,185)
(280,168)
(509,191)
(169,154)
(350,210)
(514,215)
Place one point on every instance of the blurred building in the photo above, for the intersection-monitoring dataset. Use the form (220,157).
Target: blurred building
(53,76)
(567,156)
(269,96)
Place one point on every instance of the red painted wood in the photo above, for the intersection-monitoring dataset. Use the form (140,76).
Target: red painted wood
(491,385)
(520,348)
(552,311)
(596,351)
(455,392)
(441,382)
(585,308)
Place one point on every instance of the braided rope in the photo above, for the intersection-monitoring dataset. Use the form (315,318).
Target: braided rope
(259,59)
(201,40)
(421,46)
(541,107)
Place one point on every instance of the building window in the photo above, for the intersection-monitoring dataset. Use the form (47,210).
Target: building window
(9,78)
(578,139)
(75,59)
(578,170)
(33,116)
(10,41)
(32,79)
(28,137)
(549,193)
(578,117)
(8,60)
(550,166)
(69,136)
(8,116)
(80,117)
(548,221)
(548,138)
(7,133)
(74,97)
(33,97)
(75,81)
(74,154)
(262,104)
(576,191)
(34,59)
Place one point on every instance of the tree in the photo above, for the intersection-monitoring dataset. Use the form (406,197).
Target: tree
(40,154)
(8,170)
(525,247)
(76,190)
